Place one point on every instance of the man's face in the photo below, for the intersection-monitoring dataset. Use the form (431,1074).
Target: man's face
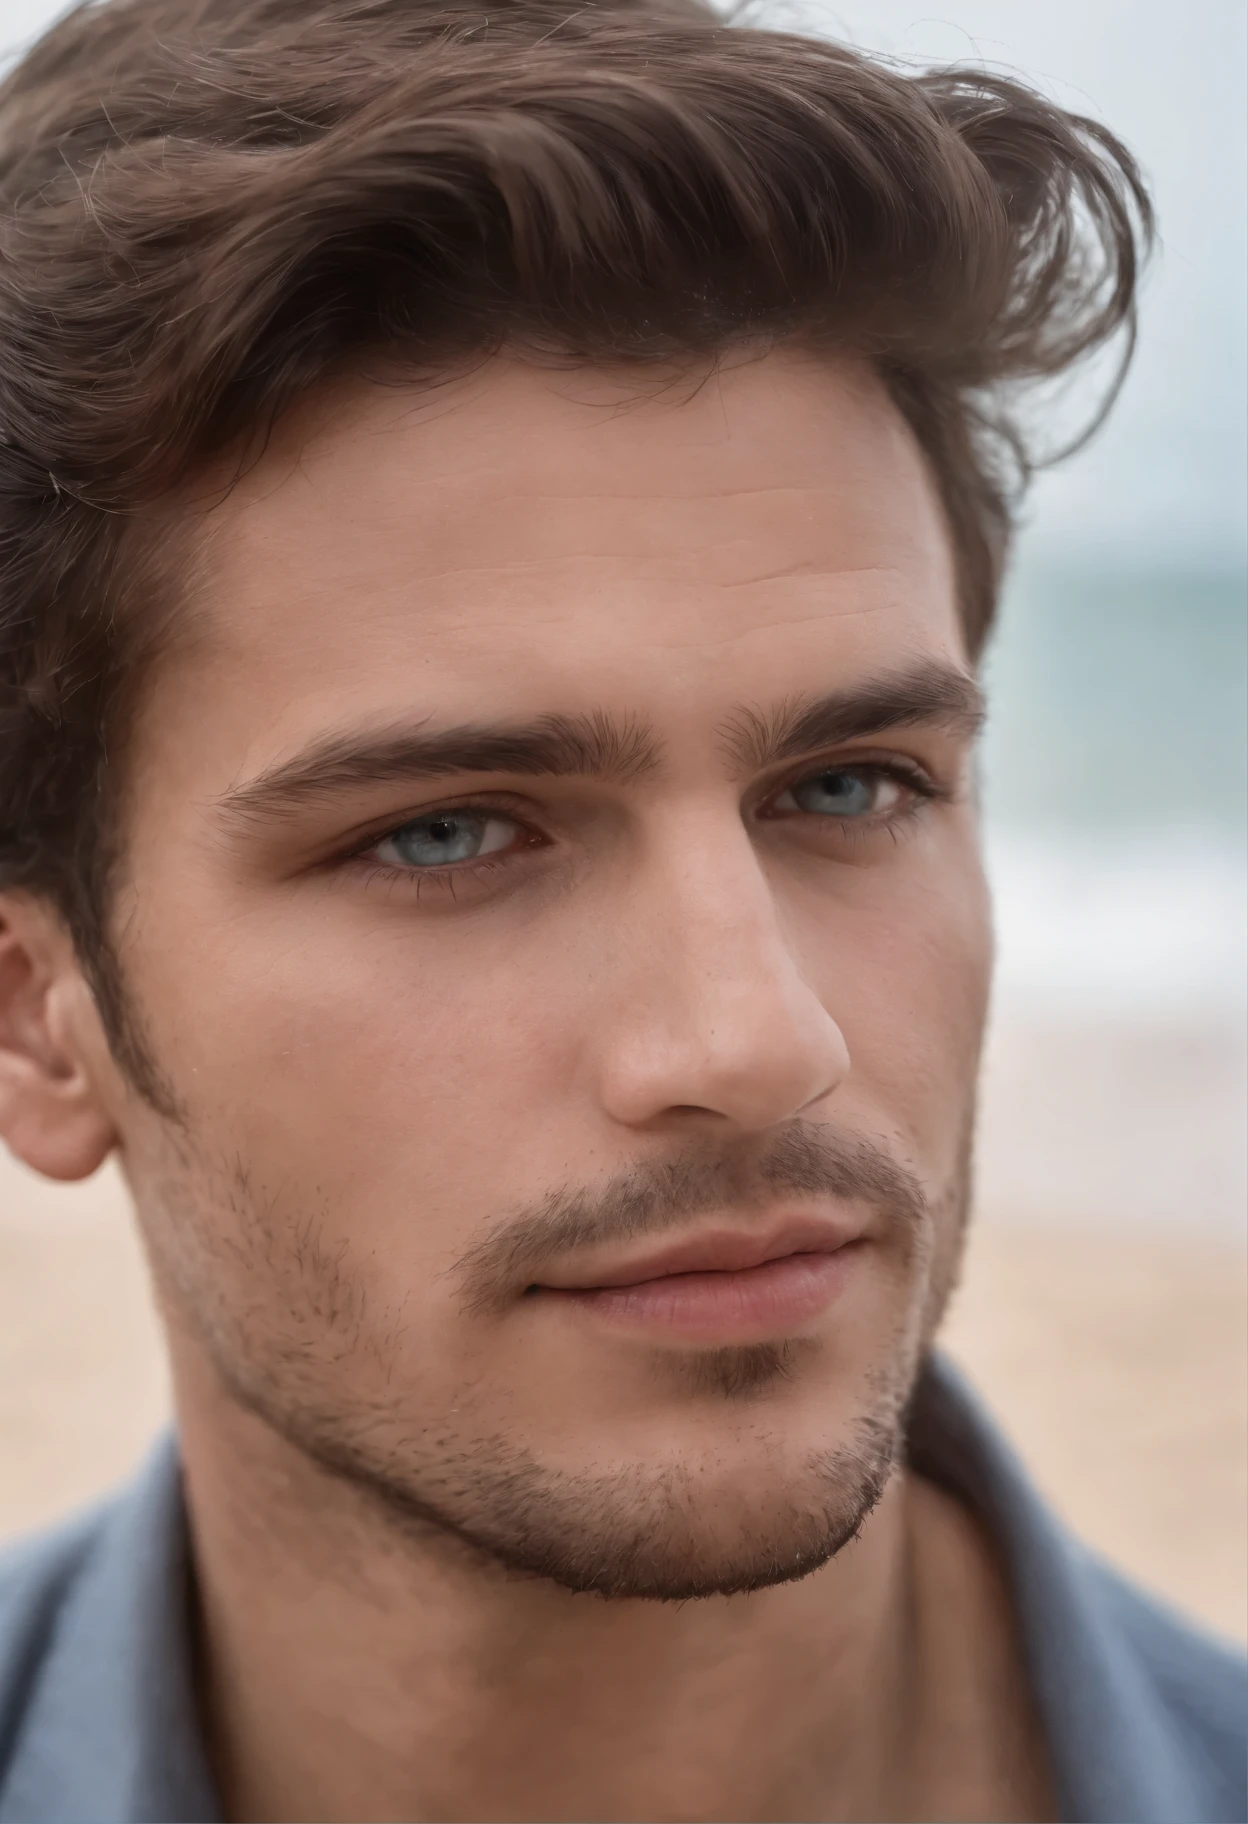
(552,898)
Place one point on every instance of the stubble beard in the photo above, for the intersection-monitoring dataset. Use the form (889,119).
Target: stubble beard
(667,1531)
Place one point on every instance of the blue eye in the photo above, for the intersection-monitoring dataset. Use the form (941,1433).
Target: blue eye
(443,838)
(843,791)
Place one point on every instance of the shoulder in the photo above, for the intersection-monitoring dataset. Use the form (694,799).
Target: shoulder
(1145,1716)
(1194,1685)
(38,1578)
(97,1702)
(1151,1712)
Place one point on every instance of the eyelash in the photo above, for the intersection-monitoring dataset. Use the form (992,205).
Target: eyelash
(915,779)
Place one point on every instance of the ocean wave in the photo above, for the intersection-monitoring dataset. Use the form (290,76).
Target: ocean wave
(1121,925)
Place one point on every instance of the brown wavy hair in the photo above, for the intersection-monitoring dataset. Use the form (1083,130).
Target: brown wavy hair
(206,206)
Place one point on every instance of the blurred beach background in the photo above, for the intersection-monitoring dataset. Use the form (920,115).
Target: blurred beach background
(1103,1309)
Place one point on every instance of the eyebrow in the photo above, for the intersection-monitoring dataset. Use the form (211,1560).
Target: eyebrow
(556,746)
(601,746)
(929,694)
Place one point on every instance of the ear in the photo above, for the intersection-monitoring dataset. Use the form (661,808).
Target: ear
(51,1043)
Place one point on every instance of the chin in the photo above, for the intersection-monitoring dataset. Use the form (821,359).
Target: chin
(666,1526)
(677,1531)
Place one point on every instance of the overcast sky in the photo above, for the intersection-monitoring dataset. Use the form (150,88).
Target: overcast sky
(1169,478)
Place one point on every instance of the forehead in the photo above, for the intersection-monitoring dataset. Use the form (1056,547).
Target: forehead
(520,539)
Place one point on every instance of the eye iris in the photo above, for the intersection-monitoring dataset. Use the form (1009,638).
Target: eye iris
(436,840)
(838,794)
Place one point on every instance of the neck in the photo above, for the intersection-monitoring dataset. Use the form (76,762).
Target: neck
(350,1669)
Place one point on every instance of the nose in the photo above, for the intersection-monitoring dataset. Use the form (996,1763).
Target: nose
(713,1016)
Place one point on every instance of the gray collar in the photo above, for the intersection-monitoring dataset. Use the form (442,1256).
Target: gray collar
(110,1732)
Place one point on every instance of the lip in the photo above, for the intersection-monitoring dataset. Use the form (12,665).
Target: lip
(719,1251)
(723,1286)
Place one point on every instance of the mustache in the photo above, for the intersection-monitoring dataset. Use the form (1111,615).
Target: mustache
(662,1197)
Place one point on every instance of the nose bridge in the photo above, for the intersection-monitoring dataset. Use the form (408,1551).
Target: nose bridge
(718,1015)
(729,948)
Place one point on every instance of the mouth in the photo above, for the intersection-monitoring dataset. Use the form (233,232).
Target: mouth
(723,1286)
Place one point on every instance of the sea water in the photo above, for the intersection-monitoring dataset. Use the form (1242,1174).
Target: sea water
(1115,782)
(1115,774)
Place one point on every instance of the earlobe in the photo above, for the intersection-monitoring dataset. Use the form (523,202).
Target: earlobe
(52,1117)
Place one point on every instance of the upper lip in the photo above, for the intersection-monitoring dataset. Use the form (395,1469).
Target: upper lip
(717,1251)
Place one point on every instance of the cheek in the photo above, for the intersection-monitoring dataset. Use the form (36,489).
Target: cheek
(370,1069)
(906,976)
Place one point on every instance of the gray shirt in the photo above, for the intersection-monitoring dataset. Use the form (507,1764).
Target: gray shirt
(1146,1719)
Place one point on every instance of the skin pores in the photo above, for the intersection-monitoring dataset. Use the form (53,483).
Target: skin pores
(457,1050)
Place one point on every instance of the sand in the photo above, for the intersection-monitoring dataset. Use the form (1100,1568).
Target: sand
(1116,1357)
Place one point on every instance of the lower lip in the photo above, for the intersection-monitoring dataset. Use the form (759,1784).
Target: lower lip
(768,1301)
